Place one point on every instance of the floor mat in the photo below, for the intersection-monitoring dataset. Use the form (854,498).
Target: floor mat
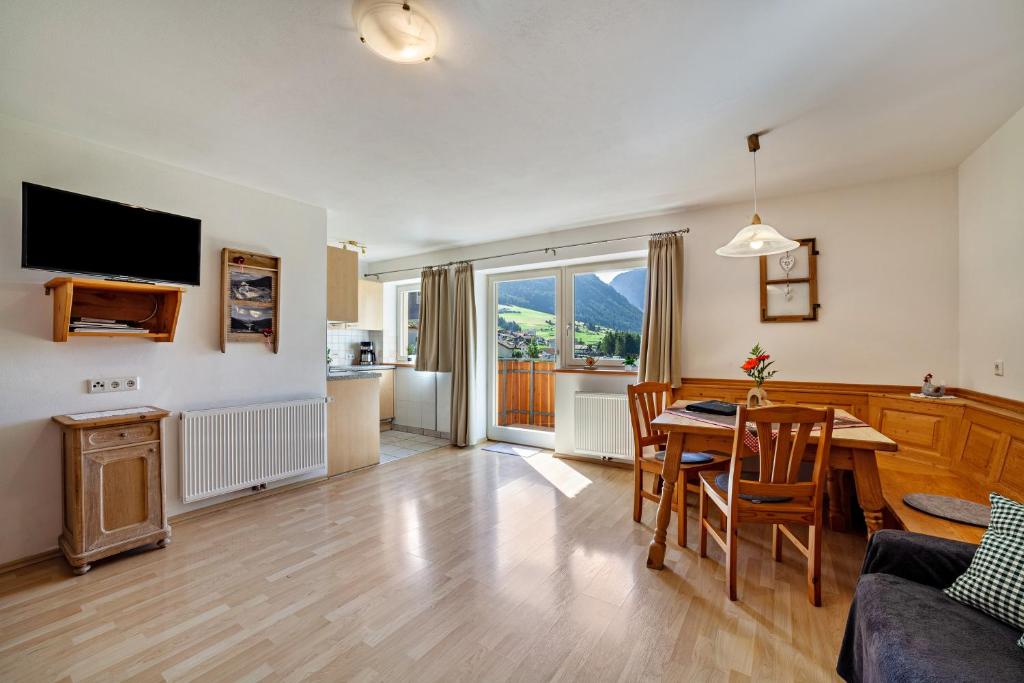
(511,449)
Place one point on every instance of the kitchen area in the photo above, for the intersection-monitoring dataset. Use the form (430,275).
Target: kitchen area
(379,410)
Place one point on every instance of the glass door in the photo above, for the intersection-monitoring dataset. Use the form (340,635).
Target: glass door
(525,334)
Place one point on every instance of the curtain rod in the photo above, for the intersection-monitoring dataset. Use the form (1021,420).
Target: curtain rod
(553,250)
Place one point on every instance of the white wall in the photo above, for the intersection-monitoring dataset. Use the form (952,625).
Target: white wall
(991,185)
(40,378)
(887,281)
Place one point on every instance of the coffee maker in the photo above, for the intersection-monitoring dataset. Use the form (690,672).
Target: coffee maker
(367,356)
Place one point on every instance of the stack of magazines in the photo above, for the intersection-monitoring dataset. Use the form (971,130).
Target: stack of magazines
(105,326)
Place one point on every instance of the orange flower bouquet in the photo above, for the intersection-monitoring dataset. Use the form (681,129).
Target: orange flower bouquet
(758,368)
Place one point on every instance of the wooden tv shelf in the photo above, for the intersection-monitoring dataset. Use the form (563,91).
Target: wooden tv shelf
(154,307)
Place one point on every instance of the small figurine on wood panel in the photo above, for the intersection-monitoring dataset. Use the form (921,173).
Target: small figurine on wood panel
(250,309)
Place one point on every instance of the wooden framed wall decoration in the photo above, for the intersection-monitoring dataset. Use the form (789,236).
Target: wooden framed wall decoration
(789,285)
(250,289)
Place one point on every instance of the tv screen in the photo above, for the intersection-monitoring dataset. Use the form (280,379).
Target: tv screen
(74,233)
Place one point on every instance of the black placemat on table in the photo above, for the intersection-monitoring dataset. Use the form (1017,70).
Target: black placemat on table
(947,507)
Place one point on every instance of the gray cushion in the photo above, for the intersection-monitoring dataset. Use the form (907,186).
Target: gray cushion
(722,482)
(900,630)
(687,458)
(994,583)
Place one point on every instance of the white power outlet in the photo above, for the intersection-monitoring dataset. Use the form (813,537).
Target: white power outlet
(997,368)
(109,384)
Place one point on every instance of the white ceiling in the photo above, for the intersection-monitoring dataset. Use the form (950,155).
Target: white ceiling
(535,114)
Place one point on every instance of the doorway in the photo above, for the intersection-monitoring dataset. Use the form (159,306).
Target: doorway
(525,333)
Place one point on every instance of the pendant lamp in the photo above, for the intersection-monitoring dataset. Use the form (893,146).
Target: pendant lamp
(757,239)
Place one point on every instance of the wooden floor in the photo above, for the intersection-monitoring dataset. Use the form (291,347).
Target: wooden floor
(450,565)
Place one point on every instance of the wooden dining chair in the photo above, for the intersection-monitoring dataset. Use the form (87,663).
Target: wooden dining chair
(777,496)
(647,400)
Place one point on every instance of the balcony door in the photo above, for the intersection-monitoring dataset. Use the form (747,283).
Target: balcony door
(525,337)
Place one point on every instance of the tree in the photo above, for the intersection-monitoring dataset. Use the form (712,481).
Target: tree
(508,325)
(619,344)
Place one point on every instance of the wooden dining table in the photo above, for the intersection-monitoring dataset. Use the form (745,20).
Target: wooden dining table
(853,448)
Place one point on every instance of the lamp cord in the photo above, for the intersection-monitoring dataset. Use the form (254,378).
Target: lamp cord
(755,181)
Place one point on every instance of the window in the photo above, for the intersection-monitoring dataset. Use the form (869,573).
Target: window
(605,303)
(408,320)
(526,326)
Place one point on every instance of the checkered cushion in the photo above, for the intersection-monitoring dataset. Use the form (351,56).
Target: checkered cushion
(994,583)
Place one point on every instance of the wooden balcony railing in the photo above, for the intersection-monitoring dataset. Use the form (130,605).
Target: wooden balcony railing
(526,392)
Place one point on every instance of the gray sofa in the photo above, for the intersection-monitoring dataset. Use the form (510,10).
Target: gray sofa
(903,628)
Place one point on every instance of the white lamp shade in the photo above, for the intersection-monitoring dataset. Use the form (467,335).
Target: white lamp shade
(757,240)
(401,35)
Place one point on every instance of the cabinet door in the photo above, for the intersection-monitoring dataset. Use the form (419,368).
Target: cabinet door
(342,285)
(387,394)
(123,496)
(353,425)
(371,305)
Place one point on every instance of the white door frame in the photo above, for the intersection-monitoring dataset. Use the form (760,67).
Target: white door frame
(526,437)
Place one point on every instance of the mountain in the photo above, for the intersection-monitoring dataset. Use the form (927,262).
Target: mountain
(538,294)
(631,284)
(597,303)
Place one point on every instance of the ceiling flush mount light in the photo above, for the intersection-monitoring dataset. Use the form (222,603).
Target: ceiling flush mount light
(396,31)
(756,239)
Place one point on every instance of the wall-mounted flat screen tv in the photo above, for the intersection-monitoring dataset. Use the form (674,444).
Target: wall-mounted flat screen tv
(75,233)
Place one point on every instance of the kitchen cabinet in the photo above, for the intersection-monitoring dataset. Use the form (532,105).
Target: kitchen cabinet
(371,306)
(387,394)
(353,423)
(342,285)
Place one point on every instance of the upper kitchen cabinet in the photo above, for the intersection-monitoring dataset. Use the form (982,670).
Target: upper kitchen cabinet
(371,306)
(343,291)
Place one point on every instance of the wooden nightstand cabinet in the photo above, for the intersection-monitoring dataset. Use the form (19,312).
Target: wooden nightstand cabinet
(113,486)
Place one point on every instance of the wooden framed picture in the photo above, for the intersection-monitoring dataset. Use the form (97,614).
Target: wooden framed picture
(250,285)
(789,285)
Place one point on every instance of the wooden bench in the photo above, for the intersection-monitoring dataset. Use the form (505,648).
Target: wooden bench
(961,447)
(901,476)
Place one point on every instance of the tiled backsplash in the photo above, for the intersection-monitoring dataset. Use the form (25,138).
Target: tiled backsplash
(344,344)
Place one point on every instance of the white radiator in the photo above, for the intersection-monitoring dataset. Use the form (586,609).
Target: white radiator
(601,425)
(227,449)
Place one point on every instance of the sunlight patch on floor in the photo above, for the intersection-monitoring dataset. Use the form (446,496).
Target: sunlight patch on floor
(563,477)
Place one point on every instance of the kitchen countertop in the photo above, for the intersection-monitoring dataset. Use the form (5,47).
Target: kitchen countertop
(363,368)
(353,374)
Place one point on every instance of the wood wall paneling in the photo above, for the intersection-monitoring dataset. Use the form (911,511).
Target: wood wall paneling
(924,431)
(1010,475)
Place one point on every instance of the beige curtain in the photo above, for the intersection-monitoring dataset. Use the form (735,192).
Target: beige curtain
(435,345)
(661,343)
(463,346)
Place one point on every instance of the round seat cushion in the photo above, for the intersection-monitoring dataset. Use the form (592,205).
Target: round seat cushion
(687,458)
(722,482)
